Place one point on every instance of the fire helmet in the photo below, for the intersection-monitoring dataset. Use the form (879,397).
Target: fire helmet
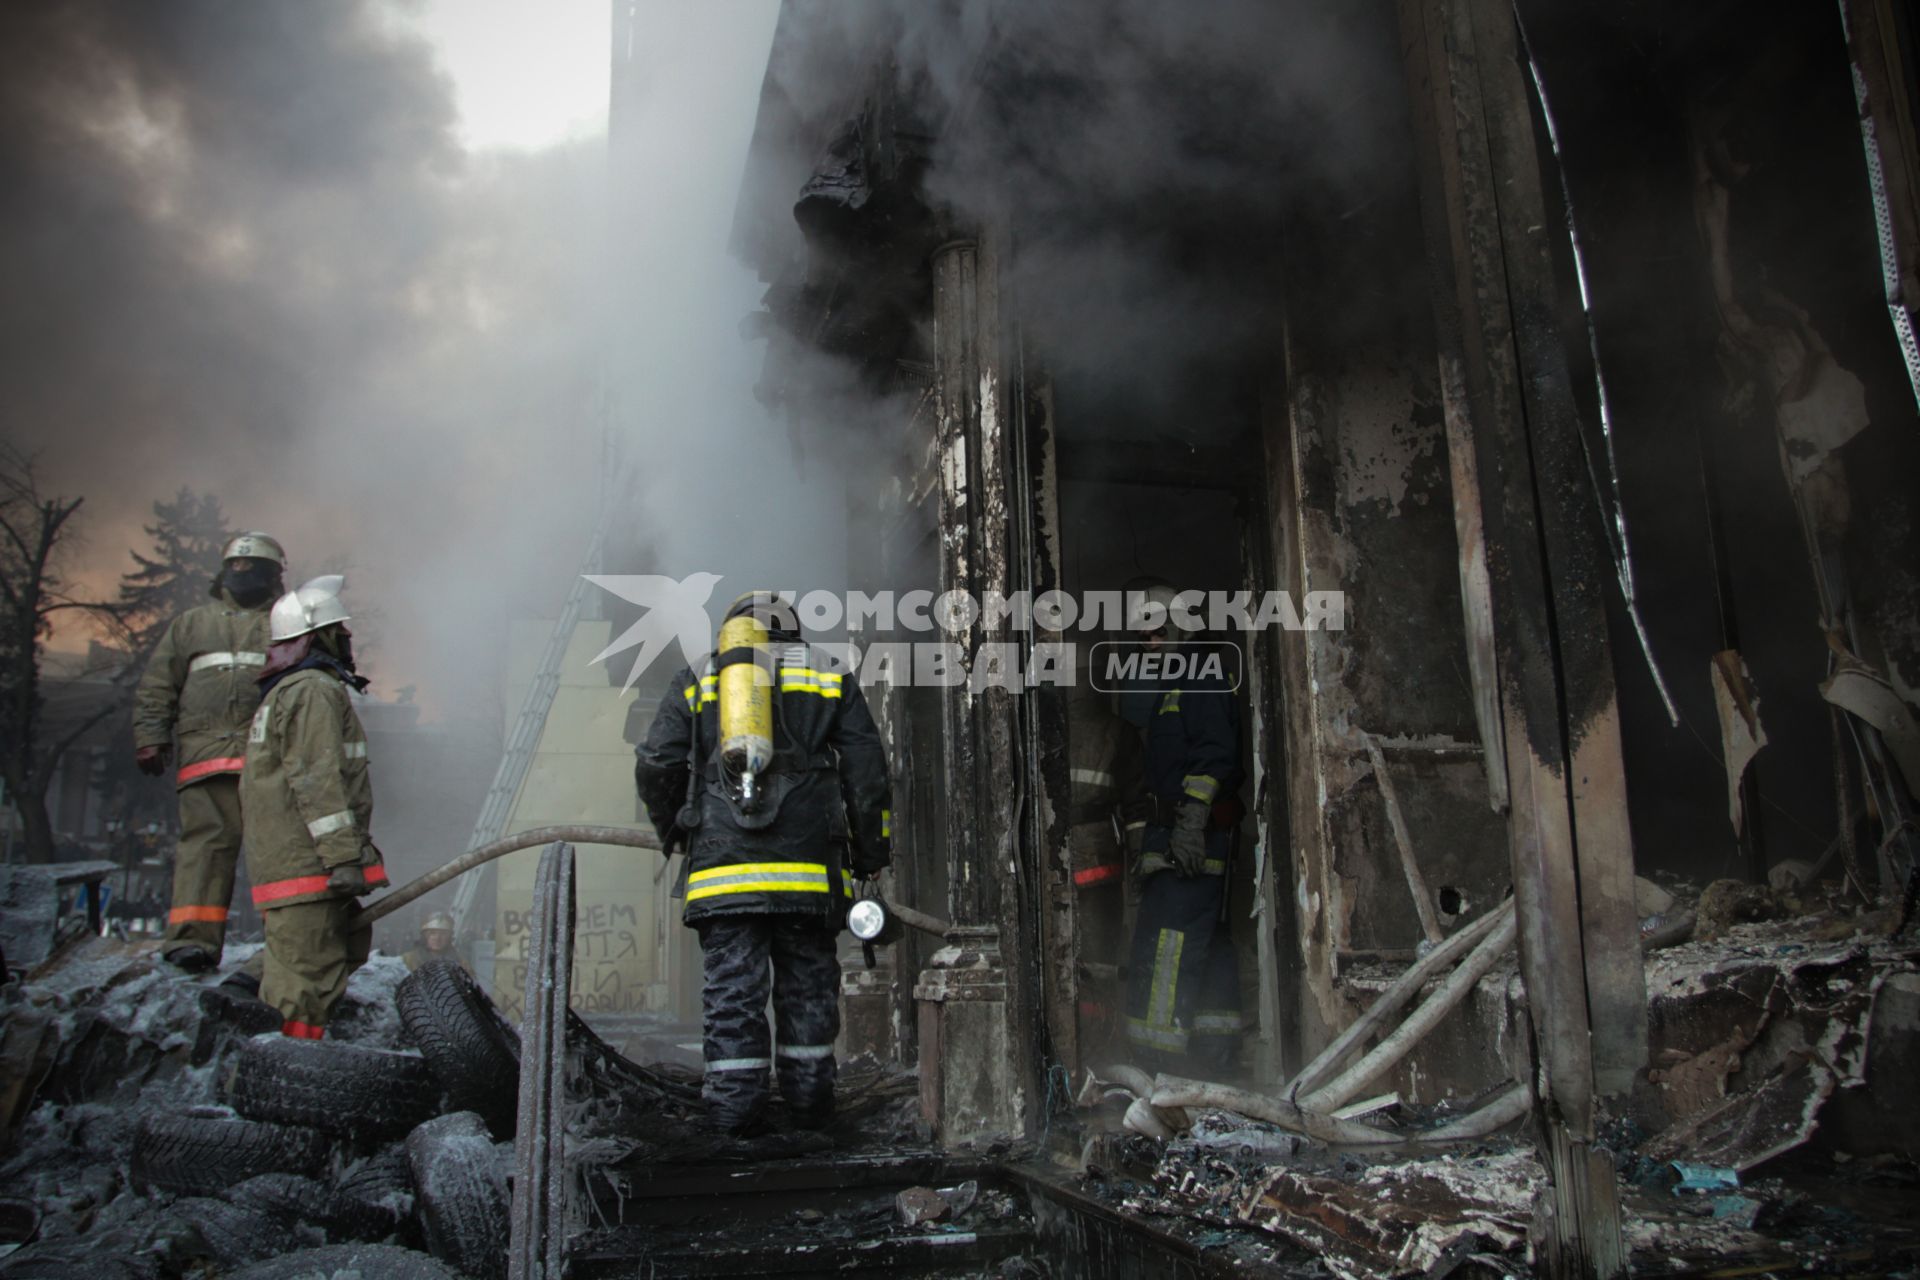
(766,608)
(308,608)
(438,920)
(1149,604)
(254,545)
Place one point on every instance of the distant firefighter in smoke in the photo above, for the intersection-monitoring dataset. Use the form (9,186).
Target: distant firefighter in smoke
(309,806)
(200,687)
(1183,996)
(436,944)
(768,766)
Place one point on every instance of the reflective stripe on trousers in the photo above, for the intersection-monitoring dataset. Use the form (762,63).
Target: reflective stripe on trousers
(745,958)
(1180,963)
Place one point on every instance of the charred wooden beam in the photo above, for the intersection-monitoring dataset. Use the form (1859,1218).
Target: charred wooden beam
(1494,302)
(957,379)
(1048,821)
(975,1051)
(1578,564)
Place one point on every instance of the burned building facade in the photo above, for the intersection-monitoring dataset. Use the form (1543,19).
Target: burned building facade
(1569,343)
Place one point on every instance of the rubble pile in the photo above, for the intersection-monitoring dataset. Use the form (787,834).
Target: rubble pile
(1755,1031)
(1772,1128)
(833,1230)
(159,1138)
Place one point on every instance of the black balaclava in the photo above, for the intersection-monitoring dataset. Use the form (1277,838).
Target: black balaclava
(337,643)
(250,582)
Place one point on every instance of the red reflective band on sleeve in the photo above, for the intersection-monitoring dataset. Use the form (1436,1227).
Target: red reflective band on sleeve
(302,1030)
(197,915)
(275,890)
(1096,875)
(207,768)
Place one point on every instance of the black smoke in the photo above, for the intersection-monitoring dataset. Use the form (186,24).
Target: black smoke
(245,252)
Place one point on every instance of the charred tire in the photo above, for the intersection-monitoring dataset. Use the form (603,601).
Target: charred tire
(236,1234)
(43,1264)
(349,1262)
(344,1089)
(471,1048)
(286,1198)
(203,1155)
(374,1198)
(460,1185)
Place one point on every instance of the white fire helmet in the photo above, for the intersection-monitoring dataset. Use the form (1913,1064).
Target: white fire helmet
(254,545)
(438,920)
(308,608)
(1149,605)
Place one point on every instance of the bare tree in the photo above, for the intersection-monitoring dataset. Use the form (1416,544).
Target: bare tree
(33,528)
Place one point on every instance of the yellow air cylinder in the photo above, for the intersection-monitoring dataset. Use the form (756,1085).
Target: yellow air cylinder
(746,706)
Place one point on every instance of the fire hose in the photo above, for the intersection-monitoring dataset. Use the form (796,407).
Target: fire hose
(572,834)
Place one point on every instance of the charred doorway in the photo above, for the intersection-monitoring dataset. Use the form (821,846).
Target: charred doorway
(1139,499)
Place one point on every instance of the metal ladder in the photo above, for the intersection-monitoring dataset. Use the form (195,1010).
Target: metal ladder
(524,739)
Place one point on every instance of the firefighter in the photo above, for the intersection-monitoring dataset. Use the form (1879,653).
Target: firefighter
(308,803)
(200,686)
(1104,770)
(1183,992)
(769,769)
(436,944)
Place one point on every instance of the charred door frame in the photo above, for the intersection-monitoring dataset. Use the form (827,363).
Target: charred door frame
(910,541)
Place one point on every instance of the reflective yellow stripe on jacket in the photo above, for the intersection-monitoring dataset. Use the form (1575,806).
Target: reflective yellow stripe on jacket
(708,689)
(824,684)
(761,877)
(821,684)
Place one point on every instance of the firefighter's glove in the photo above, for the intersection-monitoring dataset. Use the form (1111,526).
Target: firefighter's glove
(152,761)
(1187,843)
(352,878)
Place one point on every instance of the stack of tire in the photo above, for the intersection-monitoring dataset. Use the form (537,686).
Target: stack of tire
(354,1158)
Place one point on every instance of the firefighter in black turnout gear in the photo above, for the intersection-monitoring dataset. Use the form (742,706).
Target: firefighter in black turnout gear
(1183,981)
(767,766)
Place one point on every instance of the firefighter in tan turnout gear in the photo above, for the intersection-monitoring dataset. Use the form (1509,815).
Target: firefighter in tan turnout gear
(768,765)
(436,944)
(308,804)
(200,687)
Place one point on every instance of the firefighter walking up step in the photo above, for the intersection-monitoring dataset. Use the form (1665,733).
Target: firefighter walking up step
(309,807)
(199,687)
(1183,982)
(767,766)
